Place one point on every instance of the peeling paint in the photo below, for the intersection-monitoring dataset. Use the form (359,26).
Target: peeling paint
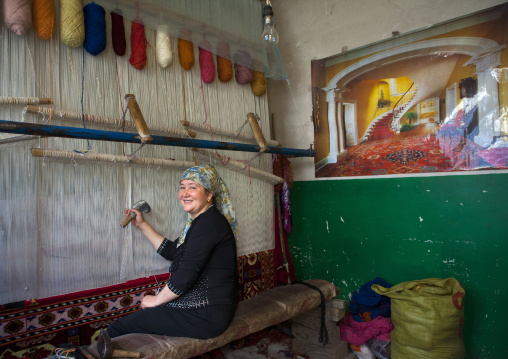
(327,229)
(342,220)
(421,219)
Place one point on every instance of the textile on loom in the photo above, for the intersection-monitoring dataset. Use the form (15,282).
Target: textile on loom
(34,329)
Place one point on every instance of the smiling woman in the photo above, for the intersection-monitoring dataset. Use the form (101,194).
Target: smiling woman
(200,297)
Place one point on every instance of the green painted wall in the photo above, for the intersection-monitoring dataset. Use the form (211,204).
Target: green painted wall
(401,229)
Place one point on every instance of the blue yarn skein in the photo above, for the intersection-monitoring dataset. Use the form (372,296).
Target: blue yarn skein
(95,29)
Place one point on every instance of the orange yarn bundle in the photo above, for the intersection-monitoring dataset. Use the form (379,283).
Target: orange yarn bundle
(258,83)
(17,15)
(43,15)
(224,64)
(185,49)
(138,46)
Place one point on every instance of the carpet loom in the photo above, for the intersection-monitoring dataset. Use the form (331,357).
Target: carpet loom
(59,222)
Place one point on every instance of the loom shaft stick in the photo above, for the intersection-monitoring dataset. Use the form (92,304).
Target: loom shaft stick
(138,119)
(72,132)
(258,134)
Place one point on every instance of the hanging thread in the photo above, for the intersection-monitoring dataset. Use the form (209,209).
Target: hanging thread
(18,16)
(163,53)
(72,22)
(43,15)
(138,46)
(224,64)
(118,33)
(243,74)
(95,29)
(185,49)
(206,63)
(258,83)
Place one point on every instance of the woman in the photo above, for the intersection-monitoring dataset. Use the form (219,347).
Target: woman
(200,297)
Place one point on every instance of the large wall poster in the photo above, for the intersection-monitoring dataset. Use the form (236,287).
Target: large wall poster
(432,100)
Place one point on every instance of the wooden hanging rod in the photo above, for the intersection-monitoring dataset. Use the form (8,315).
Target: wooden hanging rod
(220,132)
(238,166)
(104,158)
(104,121)
(158,163)
(24,101)
(84,133)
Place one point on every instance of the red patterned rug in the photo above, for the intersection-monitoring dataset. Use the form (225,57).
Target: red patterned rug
(417,154)
(32,329)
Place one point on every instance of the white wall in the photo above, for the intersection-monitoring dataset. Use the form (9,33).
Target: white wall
(315,29)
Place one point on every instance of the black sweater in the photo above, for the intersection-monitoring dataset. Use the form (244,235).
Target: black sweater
(204,268)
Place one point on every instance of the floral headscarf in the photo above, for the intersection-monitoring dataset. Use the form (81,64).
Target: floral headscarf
(208,177)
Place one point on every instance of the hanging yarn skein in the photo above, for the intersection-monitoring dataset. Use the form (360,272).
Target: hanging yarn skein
(185,49)
(18,16)
(43,15)
(243,74)
(95,28)
(138,46)
(163,53)
(118,33)
(72,22)
(206,63)
(224,64)
(258,83)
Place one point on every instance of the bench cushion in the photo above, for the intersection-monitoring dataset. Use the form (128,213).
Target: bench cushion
(264,310)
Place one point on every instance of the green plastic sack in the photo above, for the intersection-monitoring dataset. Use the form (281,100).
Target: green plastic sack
(427,317)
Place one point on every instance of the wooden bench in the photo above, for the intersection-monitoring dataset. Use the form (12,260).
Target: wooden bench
(264,310)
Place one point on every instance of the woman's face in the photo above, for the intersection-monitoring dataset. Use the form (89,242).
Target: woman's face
(193,197)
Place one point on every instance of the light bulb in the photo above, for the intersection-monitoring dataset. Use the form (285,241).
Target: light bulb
(270,36)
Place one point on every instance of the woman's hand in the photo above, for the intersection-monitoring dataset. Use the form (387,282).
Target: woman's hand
(149,301)
(138,220)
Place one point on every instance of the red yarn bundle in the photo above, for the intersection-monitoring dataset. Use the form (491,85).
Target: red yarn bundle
(118,33)
(138,46)
(206,63)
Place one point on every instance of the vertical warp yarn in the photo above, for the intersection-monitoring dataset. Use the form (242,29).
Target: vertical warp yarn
(118,33)
(43,15)
(258,83)
(72,22)
(163,53)
(224,64)
(206,63)
(18,16)
(185,49)
(95,28)
(243,74)
(138,46)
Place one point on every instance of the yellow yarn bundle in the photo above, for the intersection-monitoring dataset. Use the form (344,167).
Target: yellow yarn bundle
(43,12)
(17,15)
(72,22)
(258,83)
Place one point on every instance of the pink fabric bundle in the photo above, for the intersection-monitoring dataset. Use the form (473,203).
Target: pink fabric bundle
(357,333)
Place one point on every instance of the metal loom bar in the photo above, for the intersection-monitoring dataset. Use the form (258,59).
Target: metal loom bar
(83,133)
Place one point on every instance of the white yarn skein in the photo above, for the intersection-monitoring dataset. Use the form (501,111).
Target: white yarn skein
(163,52)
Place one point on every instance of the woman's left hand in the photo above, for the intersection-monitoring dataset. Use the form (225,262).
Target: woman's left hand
(149,301)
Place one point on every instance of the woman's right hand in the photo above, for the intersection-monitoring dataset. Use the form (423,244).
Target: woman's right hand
(136,221)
